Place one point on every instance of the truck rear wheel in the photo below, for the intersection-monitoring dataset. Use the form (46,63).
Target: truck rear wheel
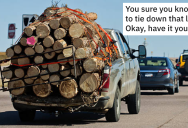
(177,87)
(26,116)
(180,82)
(113,114)
(133,101)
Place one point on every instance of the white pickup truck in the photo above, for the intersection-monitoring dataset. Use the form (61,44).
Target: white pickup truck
(121,84)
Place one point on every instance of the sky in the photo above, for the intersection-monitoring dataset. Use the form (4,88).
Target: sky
(110,15)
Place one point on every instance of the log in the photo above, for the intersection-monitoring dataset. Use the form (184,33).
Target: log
(93,64)
(29,51)
(14,61)
(67,21)
(48,41)
(71,62)
(68,88)
(60,33)
(44,77)
(23,41)
(93,45)
(44,66)
(68,51)
(19,72)
(61,56)
(10,52)
(54,23)
(90,30)
(33,71)
(92,16)
(80,42)
(38,59)
(59,44)
(36,40)
(83,53)
(79,70)
(7,74)
(89,82)
(17,49)
(53,78)
(43,30)
(76,30)
(49,55)
(67,71)
(53,67)
(39,48)
(28,80)
(49,12)
(62,9)
(23,61)
(42,90)
(29,30)
(15,84)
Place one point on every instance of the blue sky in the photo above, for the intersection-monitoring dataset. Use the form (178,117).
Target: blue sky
(110,15)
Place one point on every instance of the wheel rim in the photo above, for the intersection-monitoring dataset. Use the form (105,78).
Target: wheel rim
(138,98)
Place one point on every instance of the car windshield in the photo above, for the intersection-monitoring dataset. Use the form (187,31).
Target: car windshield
(153,62)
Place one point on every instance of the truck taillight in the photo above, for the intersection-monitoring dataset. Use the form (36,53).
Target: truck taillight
(106,82)
(177,65)
(165,71)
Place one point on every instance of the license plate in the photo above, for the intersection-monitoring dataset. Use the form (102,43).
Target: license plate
(148,75)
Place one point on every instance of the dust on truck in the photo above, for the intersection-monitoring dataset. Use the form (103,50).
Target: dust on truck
(120,82)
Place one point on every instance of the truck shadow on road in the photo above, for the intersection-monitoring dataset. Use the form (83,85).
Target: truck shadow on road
(67,119)
(154,93)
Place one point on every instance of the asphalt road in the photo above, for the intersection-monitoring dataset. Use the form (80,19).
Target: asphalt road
(158,110)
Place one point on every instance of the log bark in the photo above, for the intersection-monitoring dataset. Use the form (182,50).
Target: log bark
(67,21)
(83,53)
(48,41)
(44,77)
(39,48)
(19,72)
(93,64)
(76,30)
(10,52)
(17,49)
(92,16)
(60,33)
(53,67)
(42,90)
(14,61)
(15,84)
(49,12)
(90,30)
(7,74)
(33,71)
(68,51)
(29,30)
(23,61)
(79,70)
(67,70)
(43,30)
(28,80)
(71,62)
(61,56)
(23,41)
(59,11)
(54,78)
(59,44)
(55,23)
(29,51)
(38,59)
(49,55)
(68,88)
(80,42)
(89,82)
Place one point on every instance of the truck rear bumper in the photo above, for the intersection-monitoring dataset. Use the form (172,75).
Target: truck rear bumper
(25,105)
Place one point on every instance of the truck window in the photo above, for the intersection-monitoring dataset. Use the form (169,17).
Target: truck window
(125,43)
(121,44)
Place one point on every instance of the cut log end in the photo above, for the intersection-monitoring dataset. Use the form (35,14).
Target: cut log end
(54,78)
(33,71)
(7,74)
(49,55)
(76,30)
(48,41)
(16,84)
(10,52)
(60,33)
(59,44)
(19,72)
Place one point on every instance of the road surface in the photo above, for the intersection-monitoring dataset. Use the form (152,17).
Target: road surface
(158,110)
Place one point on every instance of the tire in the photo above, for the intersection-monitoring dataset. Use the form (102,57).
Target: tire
(134,101)
(177,87)
(171,90)
(27,116)
(186,65)
(180,82)
(113,114)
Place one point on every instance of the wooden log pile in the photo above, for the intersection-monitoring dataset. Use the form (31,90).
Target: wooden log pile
(46,52)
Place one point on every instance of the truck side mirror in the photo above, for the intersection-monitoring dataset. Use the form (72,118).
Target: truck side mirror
(142,51)
(176,60)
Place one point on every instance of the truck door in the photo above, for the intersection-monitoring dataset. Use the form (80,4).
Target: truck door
(126,71)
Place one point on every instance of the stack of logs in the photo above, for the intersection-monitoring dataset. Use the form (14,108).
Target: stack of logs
(46,50)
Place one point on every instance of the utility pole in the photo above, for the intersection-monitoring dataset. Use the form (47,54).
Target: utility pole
(145,43)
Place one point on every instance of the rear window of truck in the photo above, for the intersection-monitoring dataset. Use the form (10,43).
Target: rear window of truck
(185,57)
(152,62)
